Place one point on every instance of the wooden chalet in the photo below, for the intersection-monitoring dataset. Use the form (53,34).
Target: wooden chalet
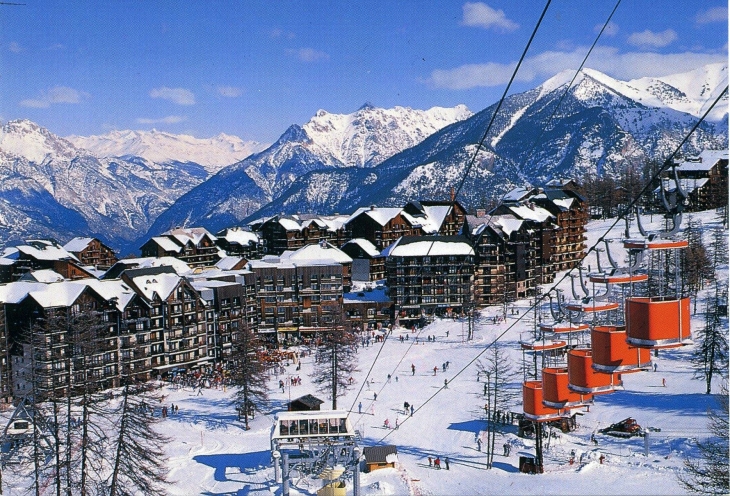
(92,252)
(194,246)
(306,403)
(377,457)
(367,262)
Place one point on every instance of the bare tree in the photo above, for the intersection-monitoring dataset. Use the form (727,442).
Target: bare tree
(248,374)
(500,392)
(709,473)
(711,355)
(138,462)
(335,357)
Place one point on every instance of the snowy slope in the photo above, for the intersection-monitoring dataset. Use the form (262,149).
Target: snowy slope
(161,147)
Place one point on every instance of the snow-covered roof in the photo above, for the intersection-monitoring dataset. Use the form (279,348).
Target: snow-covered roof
(290,224)
(421,246)
(435,216)
(564,203)
(44,275)
(240,236)
(167,244)
(228,263)
(378,214)
(318,252)
(45,250)
(15,292)
(58,295)
(366,246)
(517,194)
(194,234)
(508,223)
(160,284)
(533,213)
(706,160)
(77,245)
(180,267)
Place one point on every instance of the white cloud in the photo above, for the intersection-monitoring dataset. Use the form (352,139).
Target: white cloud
(57,94)
(280,33)
(650,39)
(481,15)
(309,54)
(15,47)
(715,14)
(170,119)
(229,91)
(180,96)
(611,29)
(544,65)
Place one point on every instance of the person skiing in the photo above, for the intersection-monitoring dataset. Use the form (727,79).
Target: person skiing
(411,410)
(434,370)
(359,407)
(413,369)
(437,463)
(429,461)
(446,461)
(479,444)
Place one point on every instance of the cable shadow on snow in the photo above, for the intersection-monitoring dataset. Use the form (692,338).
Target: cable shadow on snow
(685,405)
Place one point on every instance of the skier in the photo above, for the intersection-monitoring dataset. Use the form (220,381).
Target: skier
(479,444)
(434,370)
(359,407)
(375,396)
(446,461)
(437,463)
(413,369)
(429,461)
(446,384)
(405,407)
(411,410)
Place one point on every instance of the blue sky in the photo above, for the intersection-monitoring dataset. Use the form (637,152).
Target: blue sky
(252,68)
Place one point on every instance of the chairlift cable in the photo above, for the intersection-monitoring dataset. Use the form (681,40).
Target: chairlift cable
(666,164)
(470,164)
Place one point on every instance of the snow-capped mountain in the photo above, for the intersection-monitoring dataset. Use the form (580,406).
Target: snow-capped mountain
(161,147)
(49,187)
(336,163)
(601,126)
(328,142)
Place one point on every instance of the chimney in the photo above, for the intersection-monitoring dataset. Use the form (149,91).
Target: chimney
(453,194)
(481,212)
(372,207)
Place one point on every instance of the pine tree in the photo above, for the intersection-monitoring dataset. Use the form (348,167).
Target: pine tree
(336,357)
(709,473)
(248,374)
